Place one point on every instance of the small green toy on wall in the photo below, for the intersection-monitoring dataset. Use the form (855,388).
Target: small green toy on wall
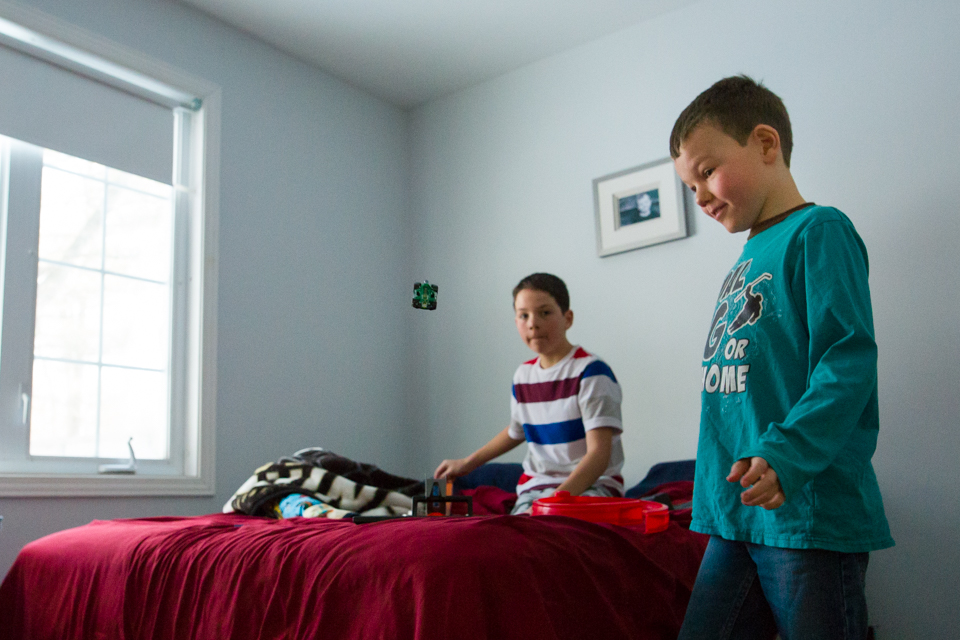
(425,295)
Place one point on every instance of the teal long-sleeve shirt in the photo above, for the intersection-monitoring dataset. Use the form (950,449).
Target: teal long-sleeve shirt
(790,375)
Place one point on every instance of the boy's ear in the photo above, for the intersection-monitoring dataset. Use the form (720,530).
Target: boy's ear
(769,140)
(569,316)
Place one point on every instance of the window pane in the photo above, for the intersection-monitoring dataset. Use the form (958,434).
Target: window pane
(138,234)
(133,404)
(108,222)
(63,418)
(135,321)
(68,313)
(71,210)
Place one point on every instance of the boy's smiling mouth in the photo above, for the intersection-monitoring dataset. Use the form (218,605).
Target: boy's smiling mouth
(715,211)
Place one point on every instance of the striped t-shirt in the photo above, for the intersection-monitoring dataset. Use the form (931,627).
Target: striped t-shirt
(552,409)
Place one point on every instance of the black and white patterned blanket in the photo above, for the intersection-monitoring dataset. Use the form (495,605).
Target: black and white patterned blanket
(344,486)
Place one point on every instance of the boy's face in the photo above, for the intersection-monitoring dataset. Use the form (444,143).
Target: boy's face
(541,324)
(726,178)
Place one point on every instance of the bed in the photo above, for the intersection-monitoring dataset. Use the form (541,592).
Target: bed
(230,575)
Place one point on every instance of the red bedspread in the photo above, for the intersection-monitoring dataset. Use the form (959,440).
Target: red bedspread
(231,576)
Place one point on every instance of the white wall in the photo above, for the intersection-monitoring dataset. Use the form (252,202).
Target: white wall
(501,177)
(314,283)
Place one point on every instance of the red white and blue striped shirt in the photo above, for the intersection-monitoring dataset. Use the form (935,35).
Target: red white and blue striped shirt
(552,409)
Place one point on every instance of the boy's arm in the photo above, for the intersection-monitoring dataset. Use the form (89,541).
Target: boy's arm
(498,445)
(842,355)
(599,400)
(593,464)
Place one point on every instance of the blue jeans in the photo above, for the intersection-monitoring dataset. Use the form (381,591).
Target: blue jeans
(750,591)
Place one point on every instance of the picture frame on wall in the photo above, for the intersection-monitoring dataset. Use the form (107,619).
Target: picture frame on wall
(639,207)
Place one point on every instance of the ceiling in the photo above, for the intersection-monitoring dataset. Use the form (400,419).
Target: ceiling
(410,51)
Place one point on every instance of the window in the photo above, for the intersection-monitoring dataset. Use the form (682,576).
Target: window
(107,267)
(102,335)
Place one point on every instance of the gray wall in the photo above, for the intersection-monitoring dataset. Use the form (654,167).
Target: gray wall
(501,187)
(314,282)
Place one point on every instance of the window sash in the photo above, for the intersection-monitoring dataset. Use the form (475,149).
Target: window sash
(22,167)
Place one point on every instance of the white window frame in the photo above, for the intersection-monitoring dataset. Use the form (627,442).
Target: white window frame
(196,183)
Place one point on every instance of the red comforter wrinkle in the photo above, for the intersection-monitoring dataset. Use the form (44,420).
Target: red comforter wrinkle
(232,576)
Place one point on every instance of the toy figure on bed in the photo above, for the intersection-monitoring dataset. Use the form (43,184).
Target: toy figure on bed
(425,295)
(565,402)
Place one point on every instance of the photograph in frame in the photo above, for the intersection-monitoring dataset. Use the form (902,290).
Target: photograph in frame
(639,207)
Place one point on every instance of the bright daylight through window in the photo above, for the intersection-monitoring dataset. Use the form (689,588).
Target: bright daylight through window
(102,339)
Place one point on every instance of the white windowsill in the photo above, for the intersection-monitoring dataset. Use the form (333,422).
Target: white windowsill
(37,486)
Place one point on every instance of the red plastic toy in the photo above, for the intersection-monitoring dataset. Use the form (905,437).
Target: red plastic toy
(652,516)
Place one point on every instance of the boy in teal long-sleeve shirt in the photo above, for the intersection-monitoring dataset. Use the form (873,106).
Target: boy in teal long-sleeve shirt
(789,402)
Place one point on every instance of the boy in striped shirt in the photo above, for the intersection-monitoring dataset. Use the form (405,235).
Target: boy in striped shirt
(565,405)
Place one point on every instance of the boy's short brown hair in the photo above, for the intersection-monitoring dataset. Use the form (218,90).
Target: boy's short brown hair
(548,283)
(736,105)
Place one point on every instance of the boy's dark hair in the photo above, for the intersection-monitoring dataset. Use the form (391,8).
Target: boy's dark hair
(548,283)
(736,105)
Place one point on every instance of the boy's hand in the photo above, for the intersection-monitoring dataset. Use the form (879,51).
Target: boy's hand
(766,491)
(452,469)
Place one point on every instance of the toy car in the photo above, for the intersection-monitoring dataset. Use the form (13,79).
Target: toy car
(425,295)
